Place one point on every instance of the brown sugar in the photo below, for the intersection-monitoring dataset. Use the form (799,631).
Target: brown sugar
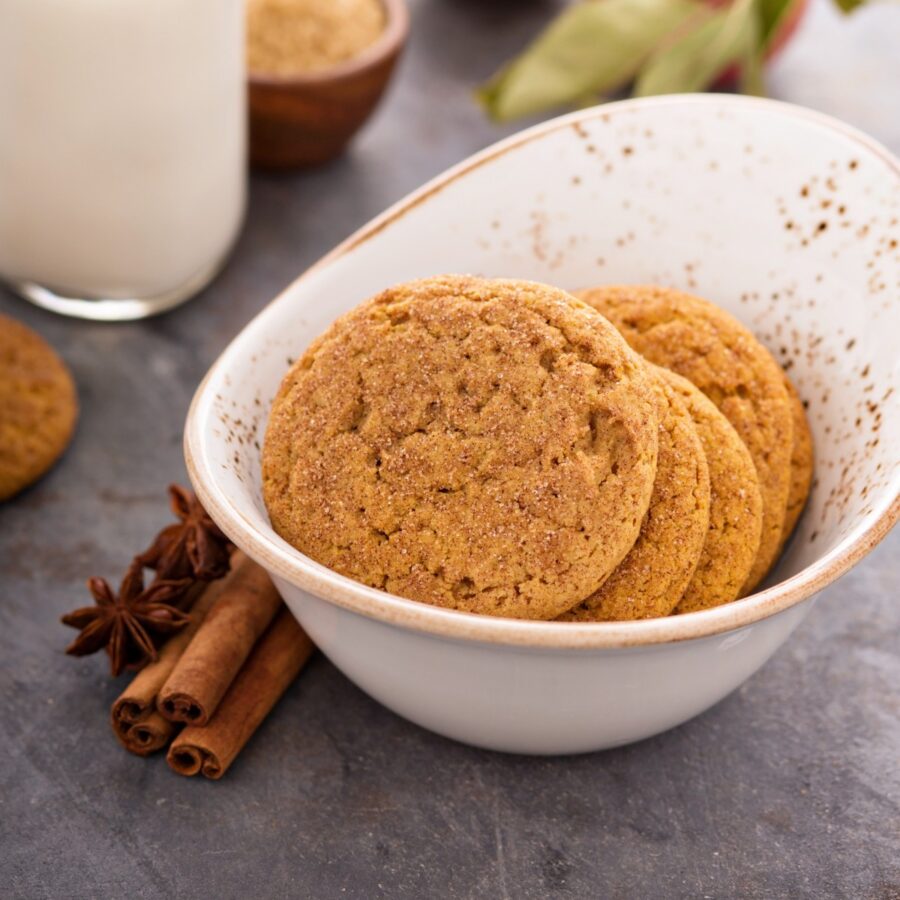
(286,37)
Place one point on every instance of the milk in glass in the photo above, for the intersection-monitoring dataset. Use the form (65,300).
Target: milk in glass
(122,146)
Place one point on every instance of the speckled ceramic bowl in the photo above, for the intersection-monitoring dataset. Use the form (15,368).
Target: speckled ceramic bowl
(786,218)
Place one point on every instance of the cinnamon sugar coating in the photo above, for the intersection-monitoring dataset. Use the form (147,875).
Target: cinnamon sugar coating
(483,445)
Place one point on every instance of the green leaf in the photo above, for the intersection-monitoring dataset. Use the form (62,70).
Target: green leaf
(695,58)
(770,13)
(773,15)
(752,60)
(847,6)
(591,48)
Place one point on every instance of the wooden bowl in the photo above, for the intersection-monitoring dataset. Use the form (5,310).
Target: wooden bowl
(307,119)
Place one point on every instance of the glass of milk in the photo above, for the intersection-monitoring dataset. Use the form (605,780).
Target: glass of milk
(122,150)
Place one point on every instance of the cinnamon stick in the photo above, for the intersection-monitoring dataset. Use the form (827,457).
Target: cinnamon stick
(135,721)
(274,663)
(146,736)
(201,676)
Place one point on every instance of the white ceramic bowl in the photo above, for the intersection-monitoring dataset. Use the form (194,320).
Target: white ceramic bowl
(786,218)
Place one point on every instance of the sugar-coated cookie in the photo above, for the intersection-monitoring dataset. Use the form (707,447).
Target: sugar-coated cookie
(801,463)
(735,508)
(484,445)
(38,407)
(714,351)
(651,579)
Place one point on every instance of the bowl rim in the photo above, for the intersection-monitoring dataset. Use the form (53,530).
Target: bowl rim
(386,45)
(289,564)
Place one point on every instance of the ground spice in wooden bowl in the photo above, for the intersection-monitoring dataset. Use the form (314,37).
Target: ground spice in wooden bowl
(317,69)
(288,37)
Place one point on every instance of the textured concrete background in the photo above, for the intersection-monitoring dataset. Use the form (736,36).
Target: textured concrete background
(790,787)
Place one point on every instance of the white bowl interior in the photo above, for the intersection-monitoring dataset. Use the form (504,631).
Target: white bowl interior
(785,219)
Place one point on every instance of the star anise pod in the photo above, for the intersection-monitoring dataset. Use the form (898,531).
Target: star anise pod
(130,625)
(194,547)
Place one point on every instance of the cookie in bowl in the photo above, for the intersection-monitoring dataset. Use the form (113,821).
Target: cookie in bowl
(714,351)
(802,457)
(735,507)
(651,579)
(482,445)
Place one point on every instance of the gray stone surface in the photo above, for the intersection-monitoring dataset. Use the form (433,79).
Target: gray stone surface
(791,787)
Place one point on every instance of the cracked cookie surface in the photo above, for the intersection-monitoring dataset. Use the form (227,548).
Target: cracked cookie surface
(484,445)
(651,579)
(38,407)
(715,352)
(735,506)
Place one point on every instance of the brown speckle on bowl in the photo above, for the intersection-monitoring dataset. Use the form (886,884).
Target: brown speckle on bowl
(580,130)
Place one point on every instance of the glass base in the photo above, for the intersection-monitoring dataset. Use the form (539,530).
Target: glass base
(123,309)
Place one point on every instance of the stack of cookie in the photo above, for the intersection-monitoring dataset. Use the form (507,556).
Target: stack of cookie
(503,447)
